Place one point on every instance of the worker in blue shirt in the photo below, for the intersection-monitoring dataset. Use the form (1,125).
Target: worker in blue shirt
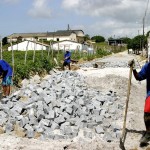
(67,59)
(6,74)
(142,75)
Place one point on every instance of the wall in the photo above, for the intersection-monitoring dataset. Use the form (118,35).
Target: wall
(22,46)
(72,37)
(67,45)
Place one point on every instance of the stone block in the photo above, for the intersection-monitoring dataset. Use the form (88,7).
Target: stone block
(64,124)
(9,127)
(3,121)
(30,131)
(47,99)
(90,107)
(96,112)
(5,108)
(51,115)
(45,122)
(75,107)
(91,125)
(112,110)
(10,104)
(58,137)
(40,105)
(99,129)
(106,124)
(12,120)
(18,108)
(67,130)
(96,104)
(107,137)
(4,100)
(81,102)
(88,134)
(33,120)
(40,114)
(66,115)
(103,112)
(31,112)
(23,121)
(83,118)
(67,100)
(39,90)
(39,129)
(50,136)
(99,119)
(69,110)
(54,126)
(71,97)
(59,119)
(3,114)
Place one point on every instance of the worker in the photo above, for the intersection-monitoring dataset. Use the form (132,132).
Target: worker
(67,60)
(142,75)
(6,74)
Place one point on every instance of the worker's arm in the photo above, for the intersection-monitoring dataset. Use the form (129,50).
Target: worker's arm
(135,73)
(131,63)
(67,56)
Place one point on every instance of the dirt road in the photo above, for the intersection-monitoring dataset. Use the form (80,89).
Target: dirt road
(111,77)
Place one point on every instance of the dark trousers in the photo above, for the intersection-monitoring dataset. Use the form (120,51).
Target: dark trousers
(147,121)
(66,64)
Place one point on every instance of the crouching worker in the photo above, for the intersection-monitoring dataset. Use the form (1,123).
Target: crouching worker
(67,60)
(142,75)
(6,73)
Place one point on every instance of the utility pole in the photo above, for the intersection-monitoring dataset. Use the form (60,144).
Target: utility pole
(1,45)
(143,39)
(143,36)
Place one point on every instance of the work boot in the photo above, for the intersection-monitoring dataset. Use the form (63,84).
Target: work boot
(145,138)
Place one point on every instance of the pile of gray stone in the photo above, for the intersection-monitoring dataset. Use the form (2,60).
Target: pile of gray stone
(59,107)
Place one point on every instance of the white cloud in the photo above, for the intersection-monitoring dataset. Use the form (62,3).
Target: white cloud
(117,9)
(112,28)
(111,16)
(40,9)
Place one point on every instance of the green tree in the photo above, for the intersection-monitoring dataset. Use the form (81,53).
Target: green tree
(98,38)
(136,43)
(148,34)
(86,37)
(126,40)
(110,38)
(5,41)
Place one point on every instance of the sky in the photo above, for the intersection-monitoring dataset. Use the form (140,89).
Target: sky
(108,18)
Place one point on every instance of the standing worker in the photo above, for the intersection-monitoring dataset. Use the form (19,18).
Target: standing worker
(6,72)
(142,75)
(67,60)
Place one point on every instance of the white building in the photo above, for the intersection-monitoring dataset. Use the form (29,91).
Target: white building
(60,35)
(71,45)
(29,45)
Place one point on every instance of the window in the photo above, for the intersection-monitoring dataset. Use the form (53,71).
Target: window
(57,39)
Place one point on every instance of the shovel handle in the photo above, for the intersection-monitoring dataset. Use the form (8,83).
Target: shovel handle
(127,102)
